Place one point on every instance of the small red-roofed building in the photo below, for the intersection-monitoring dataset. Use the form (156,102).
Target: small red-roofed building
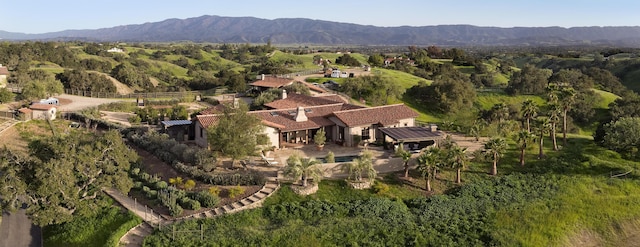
(4,73)
(43,111)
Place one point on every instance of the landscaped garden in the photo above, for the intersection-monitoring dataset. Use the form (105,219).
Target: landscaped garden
(547,202)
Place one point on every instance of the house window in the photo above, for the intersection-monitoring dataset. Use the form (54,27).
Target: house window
(365,133)
(406,124)
(201,132)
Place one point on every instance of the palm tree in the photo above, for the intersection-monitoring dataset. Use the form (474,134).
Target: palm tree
(303,168)
(427,163)
(543,125)
(529,110)
(458,159)
(476,128)
(522,138)
(500,112)
(361,166)
(554,118)
(406,156)
(566,98)
(495,147)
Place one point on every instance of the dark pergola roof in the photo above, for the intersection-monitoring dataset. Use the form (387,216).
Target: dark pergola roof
(170,123)
(411,134)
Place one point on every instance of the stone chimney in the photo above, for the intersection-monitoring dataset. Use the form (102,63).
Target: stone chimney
(236,103)
(433,127)
(300,116)
(262,77)
(284,93)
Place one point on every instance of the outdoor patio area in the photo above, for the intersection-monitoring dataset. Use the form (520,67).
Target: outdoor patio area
(383,160)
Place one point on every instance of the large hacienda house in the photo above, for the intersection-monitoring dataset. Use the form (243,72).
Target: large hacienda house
(295,119)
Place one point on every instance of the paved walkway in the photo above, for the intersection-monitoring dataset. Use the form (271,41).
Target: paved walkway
(16,230)
(138,209)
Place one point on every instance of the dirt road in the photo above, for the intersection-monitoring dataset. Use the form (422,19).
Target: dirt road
(79,102)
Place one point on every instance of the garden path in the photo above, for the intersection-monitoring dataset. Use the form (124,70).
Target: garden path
(136,235)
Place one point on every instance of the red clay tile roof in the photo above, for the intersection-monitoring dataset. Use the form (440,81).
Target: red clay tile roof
(294,100)
(333,97)
(317,116)
(208,120)
(314,87)
(4,71)
(386,115)
(25,110)
(272,82)
(41,107)
(216,109)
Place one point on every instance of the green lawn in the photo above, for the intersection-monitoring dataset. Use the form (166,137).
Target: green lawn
(607,98)
(103,228)
(403,79)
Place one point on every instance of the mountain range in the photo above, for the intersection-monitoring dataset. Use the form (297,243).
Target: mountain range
(219,29)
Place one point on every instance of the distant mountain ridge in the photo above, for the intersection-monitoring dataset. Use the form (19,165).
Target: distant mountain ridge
(220,29)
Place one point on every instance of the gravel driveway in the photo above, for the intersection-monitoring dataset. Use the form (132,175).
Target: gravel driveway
(80,102)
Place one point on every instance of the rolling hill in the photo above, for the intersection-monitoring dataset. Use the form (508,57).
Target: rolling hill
(220,29)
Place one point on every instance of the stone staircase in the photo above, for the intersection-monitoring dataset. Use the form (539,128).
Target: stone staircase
(136,235)
(252,201)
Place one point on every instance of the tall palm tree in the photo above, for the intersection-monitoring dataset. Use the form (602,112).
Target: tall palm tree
(427,163)
(495,147)
(500,112)
(543,125)
(406,157)
(554,118)
(303,168)
(529,110)
(361,166)
(566,98)
(476,128)
(523,138)
(457,158)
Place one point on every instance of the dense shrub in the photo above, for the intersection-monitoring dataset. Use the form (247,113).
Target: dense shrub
(135,171)
(207,199)
(151,194)
(161,146)
(214,190)
(235,191)
(137,185)
(380,188)
(161,185)
(189,203)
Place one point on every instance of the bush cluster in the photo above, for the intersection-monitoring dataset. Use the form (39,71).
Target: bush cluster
(192,161)
(464,217)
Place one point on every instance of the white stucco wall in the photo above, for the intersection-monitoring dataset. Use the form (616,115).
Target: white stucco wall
(274,136)
(201,135)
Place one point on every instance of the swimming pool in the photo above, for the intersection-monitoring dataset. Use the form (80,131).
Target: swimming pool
(340,159)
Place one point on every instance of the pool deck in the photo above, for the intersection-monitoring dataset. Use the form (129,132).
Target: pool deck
(383,160)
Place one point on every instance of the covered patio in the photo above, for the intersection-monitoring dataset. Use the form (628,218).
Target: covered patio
(413,138)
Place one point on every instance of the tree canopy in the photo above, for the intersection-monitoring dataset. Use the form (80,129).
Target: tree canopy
(64,174)
(235,133)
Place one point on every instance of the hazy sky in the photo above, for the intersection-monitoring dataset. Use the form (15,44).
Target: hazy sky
(39,16)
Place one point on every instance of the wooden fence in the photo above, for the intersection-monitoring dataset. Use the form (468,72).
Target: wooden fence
(7,114)
(184,94)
